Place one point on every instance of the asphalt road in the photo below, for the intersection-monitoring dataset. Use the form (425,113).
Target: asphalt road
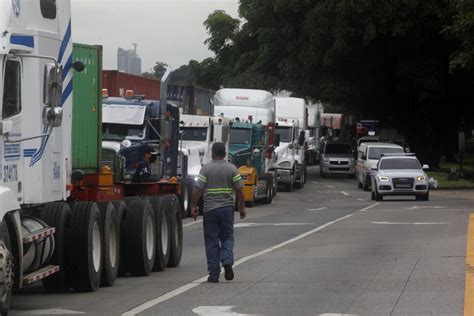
(325,249)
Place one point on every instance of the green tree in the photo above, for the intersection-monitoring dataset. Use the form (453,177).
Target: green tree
(157,71)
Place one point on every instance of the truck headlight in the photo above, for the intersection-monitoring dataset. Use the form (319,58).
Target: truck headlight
(383,178)
(196,179)
(284,164)
(421,178)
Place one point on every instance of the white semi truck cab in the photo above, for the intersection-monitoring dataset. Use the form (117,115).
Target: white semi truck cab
(198,134)
(291,126)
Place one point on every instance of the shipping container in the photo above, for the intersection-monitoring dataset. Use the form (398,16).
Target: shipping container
(87,109)
(117,83)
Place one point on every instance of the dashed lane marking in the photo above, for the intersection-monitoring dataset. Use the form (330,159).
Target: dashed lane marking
(316,209)
(187,287)
(345,193)
(329,186)
(218,311)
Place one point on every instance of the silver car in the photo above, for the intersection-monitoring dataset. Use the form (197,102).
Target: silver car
(400,175)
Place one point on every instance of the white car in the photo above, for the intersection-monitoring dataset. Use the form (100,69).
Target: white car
(400,175)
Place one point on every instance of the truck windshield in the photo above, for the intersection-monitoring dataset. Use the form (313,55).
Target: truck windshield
(400,164)
(194,133)
(285,134)
(122,131)
(239,136)
(338,149)
(376,152)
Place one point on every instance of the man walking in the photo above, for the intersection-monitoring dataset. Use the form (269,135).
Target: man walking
(218,180)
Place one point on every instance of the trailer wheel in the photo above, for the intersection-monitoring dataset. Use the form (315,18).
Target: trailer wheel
(121,208)
(111,243)
(269,194)
(140,237)
(85,237)
(162,233)
(6,270)
(176,230)
(57,215)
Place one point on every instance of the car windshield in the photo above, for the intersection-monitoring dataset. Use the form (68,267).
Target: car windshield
(338,149)
(376,152)
(122,131)
(399,164)
(239,136)
(285,134)
(194,133)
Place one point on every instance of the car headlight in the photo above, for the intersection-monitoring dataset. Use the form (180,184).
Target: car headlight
(421,178)
(383,178)
(285,164)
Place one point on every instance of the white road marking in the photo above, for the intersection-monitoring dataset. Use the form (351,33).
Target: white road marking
(362,200)
(314,182)
(401,223)
(192,223)
(53,311)
(417,207)
(244,225)
(345,193)
(331,314)
(329,186)
(218,311)
(197,282)
(316,209)
(427,210)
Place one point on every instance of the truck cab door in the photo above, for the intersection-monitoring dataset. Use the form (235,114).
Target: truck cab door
(11,107)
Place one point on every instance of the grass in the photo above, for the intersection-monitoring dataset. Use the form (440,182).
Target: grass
(465,182)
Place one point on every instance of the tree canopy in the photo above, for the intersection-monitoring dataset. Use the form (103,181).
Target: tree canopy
(389,60)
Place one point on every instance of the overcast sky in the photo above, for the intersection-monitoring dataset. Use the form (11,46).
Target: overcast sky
(165,30)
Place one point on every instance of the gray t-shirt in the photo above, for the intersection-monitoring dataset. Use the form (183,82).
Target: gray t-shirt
(218,179)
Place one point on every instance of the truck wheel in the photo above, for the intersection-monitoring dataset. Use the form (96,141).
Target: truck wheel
(6,269)
(139,237)
(176,231)
(57,215)
(269,190)
(111,243)
(162,233)
(85,238)
(121,208)
(290,185)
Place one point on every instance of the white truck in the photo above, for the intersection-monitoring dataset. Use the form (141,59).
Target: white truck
(198,134)
(290,154)
(252,139)
(59,223)
(313,133)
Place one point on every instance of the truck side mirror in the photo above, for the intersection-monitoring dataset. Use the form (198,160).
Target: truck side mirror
(277,140)
(6,127)
(52,116)
(302,138)
(52,85)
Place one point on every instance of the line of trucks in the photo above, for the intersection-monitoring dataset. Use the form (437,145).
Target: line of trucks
(70,215)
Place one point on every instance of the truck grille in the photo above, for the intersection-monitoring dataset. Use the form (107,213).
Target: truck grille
(339,163)
(108,159)
(403,183)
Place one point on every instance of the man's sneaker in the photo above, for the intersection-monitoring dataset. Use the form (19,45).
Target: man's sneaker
(229,273)
(212,279)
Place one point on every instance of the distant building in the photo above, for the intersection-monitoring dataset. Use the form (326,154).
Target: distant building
(128,61)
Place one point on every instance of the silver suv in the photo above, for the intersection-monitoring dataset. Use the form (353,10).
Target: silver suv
(400,175)
(336,158)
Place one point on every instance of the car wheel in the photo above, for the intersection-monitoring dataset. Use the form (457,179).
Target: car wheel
(372,195)
(378,196)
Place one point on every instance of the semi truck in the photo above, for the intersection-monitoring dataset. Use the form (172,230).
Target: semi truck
(291,124)
(333,126)
(252,139)
(198,134)
(64,220)
(313,134)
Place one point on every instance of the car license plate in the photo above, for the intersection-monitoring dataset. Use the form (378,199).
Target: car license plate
(403,186)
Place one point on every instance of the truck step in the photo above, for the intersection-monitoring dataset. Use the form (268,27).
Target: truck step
(39,234)
(40,274)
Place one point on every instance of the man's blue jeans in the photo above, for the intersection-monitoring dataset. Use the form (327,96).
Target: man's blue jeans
(219,238)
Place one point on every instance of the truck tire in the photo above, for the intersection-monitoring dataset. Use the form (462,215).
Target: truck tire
(57,215)
(6,270)
(84,251)
(176,231)
(162,233)
(111,243)
(139,237)
(269,184)
(121,208)
(290,185)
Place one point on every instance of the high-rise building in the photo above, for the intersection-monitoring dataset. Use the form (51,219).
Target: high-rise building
(128,61)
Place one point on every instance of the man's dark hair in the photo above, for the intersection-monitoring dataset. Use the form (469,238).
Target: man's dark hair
(218,149)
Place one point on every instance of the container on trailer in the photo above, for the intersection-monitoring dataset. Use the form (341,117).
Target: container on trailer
(117,83)
(87,113)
